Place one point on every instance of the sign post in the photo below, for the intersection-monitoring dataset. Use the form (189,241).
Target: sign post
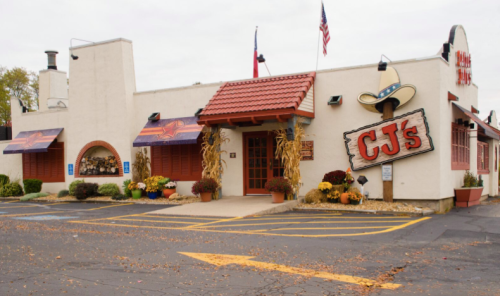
(388,186)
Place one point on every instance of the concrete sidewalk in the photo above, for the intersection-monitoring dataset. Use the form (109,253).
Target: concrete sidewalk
(231,206)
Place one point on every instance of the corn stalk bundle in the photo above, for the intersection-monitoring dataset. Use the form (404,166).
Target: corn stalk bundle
(289,153)
(140,166)
(212,160)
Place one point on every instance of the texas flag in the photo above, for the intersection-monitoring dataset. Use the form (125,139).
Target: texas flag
(255,62)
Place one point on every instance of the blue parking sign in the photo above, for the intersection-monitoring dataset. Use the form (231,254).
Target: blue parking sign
(70,169)
(126,167)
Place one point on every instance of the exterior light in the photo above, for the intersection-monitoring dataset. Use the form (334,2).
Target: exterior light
(382,66)
(460,121)
(74,57)
(471,125)
(466,123)
(362,180)
(154,117)
(261,59)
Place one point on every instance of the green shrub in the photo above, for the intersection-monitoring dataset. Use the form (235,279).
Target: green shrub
(85,190)
(32,185)
(73,185)
(4,180)
(119,197)
(31,196)
(63,193)
(127,191)
(11,189)
(109,189)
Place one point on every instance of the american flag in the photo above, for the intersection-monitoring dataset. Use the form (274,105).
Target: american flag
(323,27)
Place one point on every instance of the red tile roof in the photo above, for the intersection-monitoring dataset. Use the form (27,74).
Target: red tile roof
(260,94)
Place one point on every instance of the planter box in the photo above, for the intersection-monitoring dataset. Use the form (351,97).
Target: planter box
(466,197)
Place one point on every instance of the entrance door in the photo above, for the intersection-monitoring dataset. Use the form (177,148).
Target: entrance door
(260,164)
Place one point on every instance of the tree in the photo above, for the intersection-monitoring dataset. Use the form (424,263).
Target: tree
(4,100)
(17,81)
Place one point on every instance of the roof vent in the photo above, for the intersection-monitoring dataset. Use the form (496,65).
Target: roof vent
(51,56)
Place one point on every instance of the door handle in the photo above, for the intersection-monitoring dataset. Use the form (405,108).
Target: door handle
(271,164)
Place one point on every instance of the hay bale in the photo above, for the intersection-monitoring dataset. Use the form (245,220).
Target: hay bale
(315,196)
(353,189)
(339,188)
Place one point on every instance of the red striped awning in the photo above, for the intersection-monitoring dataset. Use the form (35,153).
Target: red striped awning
(32,141)
(173,131)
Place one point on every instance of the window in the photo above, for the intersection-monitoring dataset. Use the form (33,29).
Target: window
(483,159)
(460,147)
(177,162)
(496,158)
(45,166)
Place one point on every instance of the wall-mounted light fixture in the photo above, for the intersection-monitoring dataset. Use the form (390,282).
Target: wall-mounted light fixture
(74,57)
(382,66)
(466,123)
(460,121)
(471,125)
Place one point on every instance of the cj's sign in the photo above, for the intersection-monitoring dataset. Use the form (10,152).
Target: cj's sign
(388,140)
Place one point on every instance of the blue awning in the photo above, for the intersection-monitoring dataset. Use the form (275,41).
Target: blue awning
(32,141)
(173,131)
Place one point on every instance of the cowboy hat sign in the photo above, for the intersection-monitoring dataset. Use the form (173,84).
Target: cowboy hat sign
(390,89)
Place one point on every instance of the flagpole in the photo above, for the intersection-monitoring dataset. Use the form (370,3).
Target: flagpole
(319,34)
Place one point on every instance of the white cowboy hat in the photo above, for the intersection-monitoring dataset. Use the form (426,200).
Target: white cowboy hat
(390,89)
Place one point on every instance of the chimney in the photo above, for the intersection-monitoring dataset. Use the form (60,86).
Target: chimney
(51,56)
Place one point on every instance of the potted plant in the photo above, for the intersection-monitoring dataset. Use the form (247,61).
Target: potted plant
(470,193)
(333,197)
(354,197)
(325,187)
(278,188)
(152,186)
(169,188)
(336,178)
(136,189)
(205,187)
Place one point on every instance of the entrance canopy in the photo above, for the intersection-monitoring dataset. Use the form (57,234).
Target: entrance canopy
(482,126)
(253,101)
(32,141)
(173,131)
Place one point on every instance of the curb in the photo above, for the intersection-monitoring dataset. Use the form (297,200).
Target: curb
(375,212)
(95,201)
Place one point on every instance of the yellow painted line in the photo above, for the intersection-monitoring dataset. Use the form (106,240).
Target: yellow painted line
(320,217)
(19,207)
(12,201)
(57,203)
(154,221)
(222,260)
(127,204)
(258,233)
(320,228)
(175,217)
(300,215)
(309,222)
(34,214)
(218,221)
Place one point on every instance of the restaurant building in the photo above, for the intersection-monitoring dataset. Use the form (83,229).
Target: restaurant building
(91,128)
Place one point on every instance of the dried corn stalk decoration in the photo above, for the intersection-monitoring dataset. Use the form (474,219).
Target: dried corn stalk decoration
(212,160)
(289,153)
(140,166)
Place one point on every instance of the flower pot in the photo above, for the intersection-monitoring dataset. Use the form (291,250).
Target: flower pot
(152,195)
(278,197)
(158,193)
(355,202)
(167,192)
(206,196)
(344,199)
(468,196)
(136,194)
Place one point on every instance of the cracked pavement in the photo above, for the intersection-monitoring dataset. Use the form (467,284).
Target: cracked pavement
(453,254)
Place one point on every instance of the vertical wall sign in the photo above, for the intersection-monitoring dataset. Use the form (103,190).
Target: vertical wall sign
(126,167)
(392,139)
(307,151)
(70,169)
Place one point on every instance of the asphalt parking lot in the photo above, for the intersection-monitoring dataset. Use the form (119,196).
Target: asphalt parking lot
(116,249)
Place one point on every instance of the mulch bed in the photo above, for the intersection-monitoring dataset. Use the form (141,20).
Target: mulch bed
(367,205)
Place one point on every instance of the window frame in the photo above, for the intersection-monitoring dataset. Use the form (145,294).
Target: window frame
(37,164)
(483,161)
(164,158)
(460,147)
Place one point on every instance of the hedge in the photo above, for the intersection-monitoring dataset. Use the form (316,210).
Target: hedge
(109,189)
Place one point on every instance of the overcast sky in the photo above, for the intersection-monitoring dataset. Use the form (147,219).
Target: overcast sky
(178,43)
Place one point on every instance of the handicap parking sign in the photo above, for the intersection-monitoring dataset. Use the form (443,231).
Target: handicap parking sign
(70,169)
(126,167)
